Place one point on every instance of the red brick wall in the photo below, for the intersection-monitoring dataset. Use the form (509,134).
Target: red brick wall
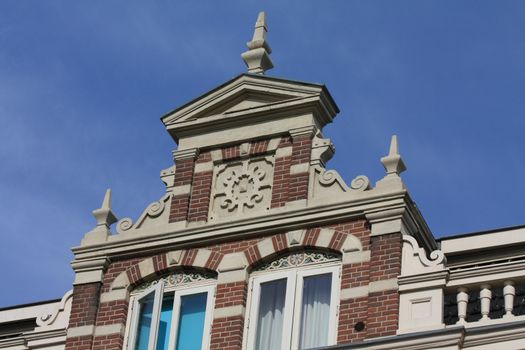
(385,264)
(183,176)
(298,187)
(281,176)
(84,309)
(227,333)
(79,343)
(108,342)
(386,256)
(351,311)
(200,191)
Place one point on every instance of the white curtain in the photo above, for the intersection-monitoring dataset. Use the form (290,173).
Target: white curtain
(270,317)
(315,311)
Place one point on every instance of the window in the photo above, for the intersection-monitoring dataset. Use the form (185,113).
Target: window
(173,313)
(296,306)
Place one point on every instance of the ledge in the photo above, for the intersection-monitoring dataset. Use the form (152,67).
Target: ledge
(288,219)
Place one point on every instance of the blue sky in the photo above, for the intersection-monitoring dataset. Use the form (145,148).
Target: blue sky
(83,85)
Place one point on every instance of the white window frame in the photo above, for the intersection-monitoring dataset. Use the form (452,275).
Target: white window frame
(210,301)
(293,300)
(179,291)
(157,290)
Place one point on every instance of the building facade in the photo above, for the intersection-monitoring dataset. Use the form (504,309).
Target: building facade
(256,244)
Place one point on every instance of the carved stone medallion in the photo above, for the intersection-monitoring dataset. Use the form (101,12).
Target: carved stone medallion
(241,187)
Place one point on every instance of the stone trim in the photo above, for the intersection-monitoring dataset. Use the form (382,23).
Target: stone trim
(81,331)
(372,287)
(229,311)
(114,295)
(117,328)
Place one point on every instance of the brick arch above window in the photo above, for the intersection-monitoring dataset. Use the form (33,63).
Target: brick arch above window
(322,238)
(162,263)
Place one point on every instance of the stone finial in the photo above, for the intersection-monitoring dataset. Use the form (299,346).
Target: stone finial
(257,58)
(393,163)
(105,218)
(104,215)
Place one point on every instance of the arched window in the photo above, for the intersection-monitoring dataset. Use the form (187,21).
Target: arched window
(294,301)
(173,312)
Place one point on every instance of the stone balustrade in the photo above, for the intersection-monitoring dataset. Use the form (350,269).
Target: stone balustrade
(486,302)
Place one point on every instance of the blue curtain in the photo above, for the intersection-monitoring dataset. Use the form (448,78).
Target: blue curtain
(146,309)
(191,321)
(165,322)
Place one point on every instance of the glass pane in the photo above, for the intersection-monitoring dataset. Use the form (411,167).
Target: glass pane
(315,311)
(191,321)
(166,312)
(270,315)
(145,313)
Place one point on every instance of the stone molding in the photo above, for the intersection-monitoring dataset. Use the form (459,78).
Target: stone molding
(58,316)
(415,260)
(285,218)
(153,215)
(89,270)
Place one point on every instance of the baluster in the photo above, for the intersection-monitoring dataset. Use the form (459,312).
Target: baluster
(509,292)
(485,295)
(462,299)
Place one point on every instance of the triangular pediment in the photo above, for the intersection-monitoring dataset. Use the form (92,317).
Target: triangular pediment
(245,100)
(244,97)
(244,92)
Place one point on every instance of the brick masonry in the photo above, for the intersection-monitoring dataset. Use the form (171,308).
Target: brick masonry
(84,309)
(302,149)
(183,176)
(281,176)
(378,311)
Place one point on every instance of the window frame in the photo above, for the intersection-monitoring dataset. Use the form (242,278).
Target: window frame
(208,317)
(157,291)
(208,286)
(293,300)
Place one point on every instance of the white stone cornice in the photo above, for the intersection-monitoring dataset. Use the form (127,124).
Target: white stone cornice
(287,219)
(423,281)
(308,131)
(189,153)
(89,270)
(478,274)
(405,219)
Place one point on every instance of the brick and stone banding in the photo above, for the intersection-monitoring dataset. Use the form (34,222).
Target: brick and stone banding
(377,309)
(231,152)
(259,147)
(281,174)
(183,177)
(298,185)
(83,316)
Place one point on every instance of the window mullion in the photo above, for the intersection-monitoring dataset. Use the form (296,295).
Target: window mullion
(174,321)
(290,311)
(296,320)
(135,309)
(334,305)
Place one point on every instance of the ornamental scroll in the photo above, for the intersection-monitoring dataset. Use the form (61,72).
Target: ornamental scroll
(242,187)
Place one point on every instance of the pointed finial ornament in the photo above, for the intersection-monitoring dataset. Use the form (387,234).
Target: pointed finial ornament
(393,163)
(257,58)
(104,215)
(105,218)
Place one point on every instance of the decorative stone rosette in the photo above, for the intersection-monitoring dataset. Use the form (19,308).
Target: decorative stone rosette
(242,187)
